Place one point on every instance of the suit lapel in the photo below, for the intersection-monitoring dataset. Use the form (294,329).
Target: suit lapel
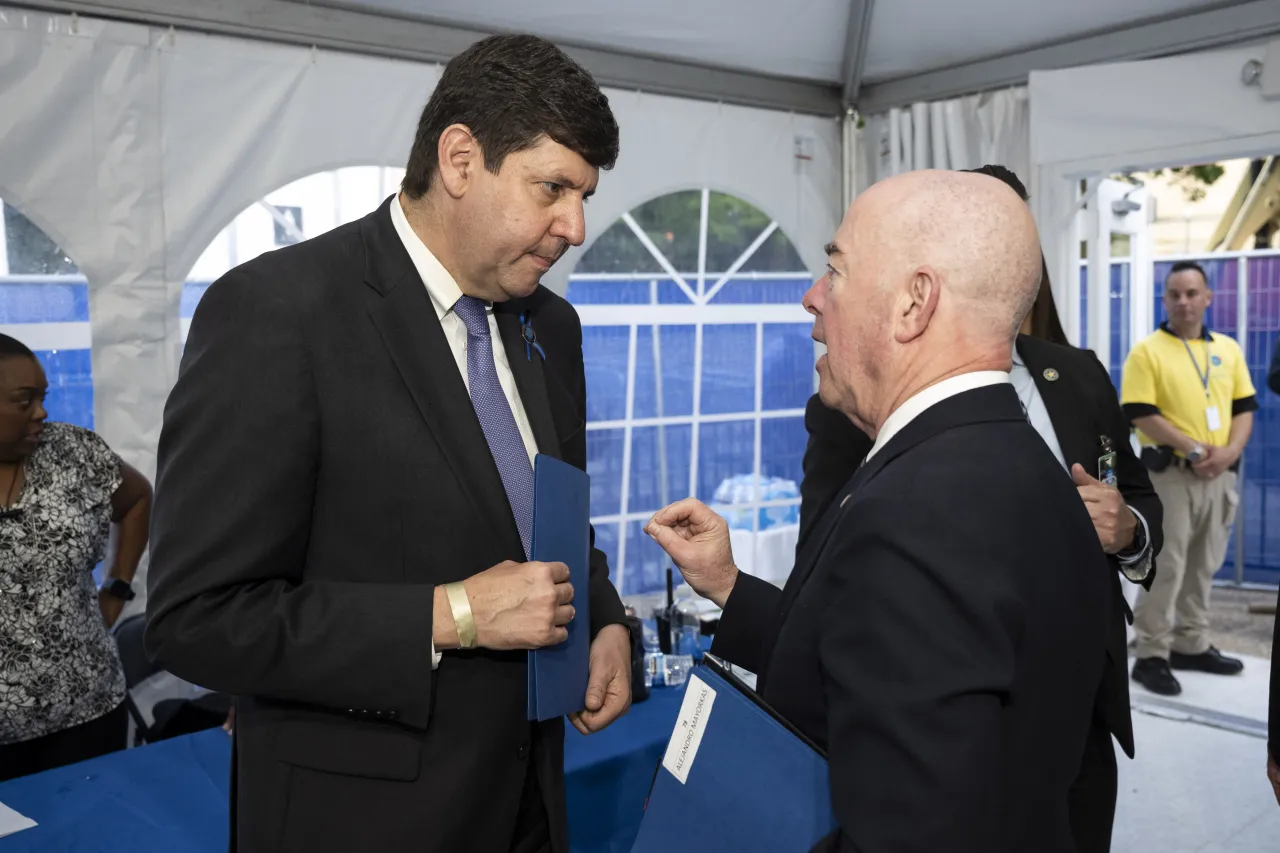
(404,316)
(994,403)
(808,558)
(531,380)
(1063,414)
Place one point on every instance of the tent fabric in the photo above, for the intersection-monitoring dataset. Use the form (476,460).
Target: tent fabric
(132,147)
(1095,121)
(961,133)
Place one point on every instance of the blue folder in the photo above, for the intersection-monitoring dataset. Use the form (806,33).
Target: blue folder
(736,777)
(562,534)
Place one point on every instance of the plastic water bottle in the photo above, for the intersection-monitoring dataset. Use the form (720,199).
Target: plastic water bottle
(686,627)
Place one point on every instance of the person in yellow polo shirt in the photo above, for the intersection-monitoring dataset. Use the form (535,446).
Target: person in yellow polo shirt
(1188,393)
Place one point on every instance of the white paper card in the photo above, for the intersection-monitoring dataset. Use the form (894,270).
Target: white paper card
(11,821)
(1215,420)
(695,712)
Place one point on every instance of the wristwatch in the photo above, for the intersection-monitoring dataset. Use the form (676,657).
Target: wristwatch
(1196,454)
(118,588)
(1135,561)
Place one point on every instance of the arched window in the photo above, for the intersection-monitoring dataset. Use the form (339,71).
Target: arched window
(306,208)
(699,362)
(44,302)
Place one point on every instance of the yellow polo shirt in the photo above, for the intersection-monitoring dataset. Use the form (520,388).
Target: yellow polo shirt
(1165,374)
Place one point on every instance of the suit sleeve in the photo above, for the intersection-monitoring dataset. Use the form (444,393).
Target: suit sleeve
(918,655)
(230,605)
(834,451)
(606,605)
(747,630)
(1135,482)
(1273,719)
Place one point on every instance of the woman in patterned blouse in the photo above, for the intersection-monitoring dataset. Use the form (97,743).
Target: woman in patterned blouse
(61,490)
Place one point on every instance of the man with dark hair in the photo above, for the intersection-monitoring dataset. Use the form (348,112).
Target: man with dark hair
(530,91)
(1189,394)
(345,489)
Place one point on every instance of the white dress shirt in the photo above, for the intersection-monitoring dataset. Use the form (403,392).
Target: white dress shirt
(1032,403)
(1038,415)
(1033,406)
(445,293)
(932,396)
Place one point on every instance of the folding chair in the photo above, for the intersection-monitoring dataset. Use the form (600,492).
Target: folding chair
(137,669)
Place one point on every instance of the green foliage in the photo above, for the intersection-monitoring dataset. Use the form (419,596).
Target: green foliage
(1193,179)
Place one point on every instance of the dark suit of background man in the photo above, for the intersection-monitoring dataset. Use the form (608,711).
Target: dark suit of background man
(351,433)
(1069,399)
(1273,714)
(943,634)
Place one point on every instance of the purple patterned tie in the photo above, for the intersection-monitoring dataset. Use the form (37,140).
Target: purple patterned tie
(496,420)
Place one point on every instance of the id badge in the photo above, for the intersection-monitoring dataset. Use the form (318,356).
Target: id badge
(1107,469)
(1213,418)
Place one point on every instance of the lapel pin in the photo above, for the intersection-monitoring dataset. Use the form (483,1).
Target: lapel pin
(530,338)
(1050,374)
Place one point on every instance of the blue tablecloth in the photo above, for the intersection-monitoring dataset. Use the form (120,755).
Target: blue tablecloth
(171,797)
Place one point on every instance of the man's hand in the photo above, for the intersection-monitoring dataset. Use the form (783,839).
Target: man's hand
(519,605)
(609,685)
(110,606)
(1273,774)
(698,542)
(1216,461)
(1112,519)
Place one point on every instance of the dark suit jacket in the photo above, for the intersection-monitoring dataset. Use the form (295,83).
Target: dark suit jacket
(1273,723)
(941,637)
(321,470)
(1083,406)
(1273,717)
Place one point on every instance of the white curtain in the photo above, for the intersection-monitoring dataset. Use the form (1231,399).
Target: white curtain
(962,133)
(133,146)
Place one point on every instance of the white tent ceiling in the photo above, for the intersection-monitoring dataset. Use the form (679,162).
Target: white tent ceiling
(800,38)
(807,55)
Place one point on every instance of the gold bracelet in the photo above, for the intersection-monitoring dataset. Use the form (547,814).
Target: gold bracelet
(463,619)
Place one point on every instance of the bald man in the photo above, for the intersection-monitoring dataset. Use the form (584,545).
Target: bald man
(941,636)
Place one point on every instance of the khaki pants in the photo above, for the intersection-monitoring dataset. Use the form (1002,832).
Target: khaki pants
(1198,515)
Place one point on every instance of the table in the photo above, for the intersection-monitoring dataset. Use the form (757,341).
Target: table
(171,797)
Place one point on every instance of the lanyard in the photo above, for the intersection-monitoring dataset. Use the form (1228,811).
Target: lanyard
(1208,365)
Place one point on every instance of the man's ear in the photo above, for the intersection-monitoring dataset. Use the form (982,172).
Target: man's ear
(917,305)
(458,157)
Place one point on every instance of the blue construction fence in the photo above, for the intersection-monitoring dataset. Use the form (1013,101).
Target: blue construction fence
(727,448)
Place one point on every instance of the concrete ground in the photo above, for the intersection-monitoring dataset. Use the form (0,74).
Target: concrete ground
(1198,783)
(1234,628)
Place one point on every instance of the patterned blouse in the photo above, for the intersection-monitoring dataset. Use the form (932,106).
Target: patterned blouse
(58,663)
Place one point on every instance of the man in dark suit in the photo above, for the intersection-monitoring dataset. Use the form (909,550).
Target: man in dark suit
(344,498)
(1082,409)
(1069,399)
(1273,717)
(942,634)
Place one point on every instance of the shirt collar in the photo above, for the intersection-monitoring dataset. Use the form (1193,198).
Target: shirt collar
(1205,335)
(931,396)
(444,291)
